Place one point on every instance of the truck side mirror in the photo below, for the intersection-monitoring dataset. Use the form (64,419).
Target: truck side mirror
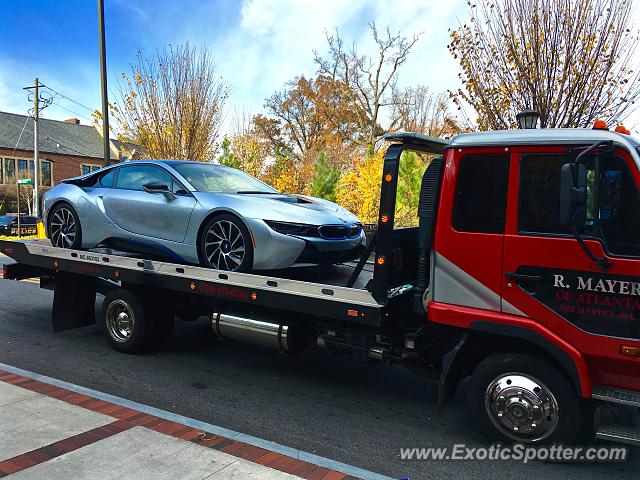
(573,195)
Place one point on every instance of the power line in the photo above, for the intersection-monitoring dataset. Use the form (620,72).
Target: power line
(71,111)
(71,99)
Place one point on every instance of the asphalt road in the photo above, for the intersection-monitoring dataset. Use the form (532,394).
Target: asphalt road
(332,407)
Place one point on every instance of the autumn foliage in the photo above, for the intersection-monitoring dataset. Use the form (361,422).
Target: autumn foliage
(571,60)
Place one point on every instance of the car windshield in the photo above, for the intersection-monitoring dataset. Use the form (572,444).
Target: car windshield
(212,178)
(6,220)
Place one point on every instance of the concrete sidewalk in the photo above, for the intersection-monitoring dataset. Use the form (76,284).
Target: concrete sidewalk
(55,433)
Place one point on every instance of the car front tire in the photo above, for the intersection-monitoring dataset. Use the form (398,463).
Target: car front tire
(225,244)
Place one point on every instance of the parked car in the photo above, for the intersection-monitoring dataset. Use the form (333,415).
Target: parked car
(9,225)
(199,213)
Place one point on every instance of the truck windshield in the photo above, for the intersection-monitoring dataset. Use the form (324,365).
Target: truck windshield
(220,179)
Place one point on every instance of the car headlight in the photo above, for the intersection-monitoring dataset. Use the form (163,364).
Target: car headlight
(287,228)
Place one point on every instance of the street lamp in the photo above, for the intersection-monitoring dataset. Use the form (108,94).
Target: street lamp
(527,119)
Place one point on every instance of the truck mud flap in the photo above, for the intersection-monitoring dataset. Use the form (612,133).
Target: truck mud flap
(74,301)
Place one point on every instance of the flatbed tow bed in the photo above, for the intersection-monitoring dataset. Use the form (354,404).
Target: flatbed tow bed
(39,259)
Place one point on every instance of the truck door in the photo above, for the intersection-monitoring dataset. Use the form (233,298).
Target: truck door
(547,275)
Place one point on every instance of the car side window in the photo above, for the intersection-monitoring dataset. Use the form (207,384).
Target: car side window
(106,180)
(135,177)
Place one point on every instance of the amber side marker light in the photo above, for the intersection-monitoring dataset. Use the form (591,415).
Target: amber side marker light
(621,129)
(192,286)
(600,125)
(380,260)
(388,177)
(630,350)
(384,218)
(254,296)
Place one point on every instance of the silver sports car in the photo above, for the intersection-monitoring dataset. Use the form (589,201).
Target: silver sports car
(199,213)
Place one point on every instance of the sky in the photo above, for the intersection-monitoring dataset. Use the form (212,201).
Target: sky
(258,45)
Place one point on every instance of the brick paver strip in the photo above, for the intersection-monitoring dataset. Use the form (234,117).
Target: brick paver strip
(126,418)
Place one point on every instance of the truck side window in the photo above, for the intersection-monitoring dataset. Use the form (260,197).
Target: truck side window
(618,204)
(481,194)
(612,201)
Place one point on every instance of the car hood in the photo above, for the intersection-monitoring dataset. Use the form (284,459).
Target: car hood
(283,208)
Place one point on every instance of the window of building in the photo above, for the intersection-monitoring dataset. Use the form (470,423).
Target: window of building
(88,168)
(23,169)
(45,173)
(480,202)
(10,170)
(613,201)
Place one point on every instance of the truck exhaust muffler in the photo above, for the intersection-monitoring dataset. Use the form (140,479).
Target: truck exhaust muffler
(258,332)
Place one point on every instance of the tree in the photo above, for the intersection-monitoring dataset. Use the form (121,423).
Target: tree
(325,179)
(308,117)
(172,106)
(359,189)
(370,80)
(571,60)
(415,109)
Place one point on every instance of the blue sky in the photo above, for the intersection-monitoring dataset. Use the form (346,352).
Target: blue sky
(258,44)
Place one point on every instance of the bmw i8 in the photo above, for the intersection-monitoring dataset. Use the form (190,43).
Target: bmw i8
(199,213)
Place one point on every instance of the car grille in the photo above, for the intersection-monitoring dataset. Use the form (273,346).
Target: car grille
(339,232)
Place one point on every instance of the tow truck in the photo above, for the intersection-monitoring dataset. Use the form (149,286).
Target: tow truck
(523,274)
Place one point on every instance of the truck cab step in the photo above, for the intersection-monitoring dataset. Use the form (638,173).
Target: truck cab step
(616,395)
(616,433)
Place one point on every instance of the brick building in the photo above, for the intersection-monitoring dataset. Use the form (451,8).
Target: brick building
(67,149)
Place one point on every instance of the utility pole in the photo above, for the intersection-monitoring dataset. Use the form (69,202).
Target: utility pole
(103,78)
(36,152)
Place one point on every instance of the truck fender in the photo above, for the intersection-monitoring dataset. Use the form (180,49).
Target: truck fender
(472,348)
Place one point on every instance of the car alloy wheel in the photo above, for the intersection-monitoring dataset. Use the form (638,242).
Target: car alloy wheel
(64,228)
(224,246)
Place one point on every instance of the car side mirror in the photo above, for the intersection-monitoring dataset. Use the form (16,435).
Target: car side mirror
(573,195)
(158,187)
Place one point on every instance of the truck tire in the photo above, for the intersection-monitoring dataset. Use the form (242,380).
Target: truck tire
(124,320)
(518,398)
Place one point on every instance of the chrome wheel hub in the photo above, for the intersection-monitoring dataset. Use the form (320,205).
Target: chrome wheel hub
(120,321)
(224,246)
(63,228)
(521,407)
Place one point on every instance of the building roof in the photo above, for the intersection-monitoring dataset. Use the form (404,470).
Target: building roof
(55,136)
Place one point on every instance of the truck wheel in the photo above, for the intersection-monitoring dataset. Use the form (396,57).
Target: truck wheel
(124,321)
(518,398)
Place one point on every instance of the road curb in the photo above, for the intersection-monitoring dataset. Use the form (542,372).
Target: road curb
(277,456)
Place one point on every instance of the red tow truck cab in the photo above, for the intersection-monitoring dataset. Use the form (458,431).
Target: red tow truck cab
(542,266)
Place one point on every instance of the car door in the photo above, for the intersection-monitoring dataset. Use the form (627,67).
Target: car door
(156,215)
